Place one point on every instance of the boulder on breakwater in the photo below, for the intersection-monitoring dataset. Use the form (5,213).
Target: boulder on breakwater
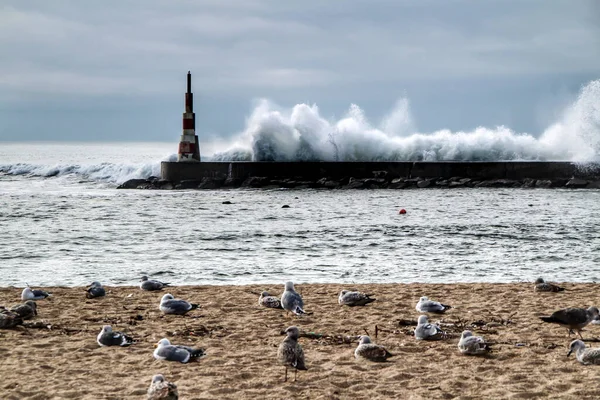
(376,182)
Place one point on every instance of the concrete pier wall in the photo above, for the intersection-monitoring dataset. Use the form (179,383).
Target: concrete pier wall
(181,171)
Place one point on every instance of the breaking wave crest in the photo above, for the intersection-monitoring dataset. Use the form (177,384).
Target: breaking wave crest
(302,134)
(104,172)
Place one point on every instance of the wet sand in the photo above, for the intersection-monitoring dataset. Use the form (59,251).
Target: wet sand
(63,360)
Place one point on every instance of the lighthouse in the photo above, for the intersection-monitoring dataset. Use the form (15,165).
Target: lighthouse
(189,150)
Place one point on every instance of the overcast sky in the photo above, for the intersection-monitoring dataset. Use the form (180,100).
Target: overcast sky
(115,69)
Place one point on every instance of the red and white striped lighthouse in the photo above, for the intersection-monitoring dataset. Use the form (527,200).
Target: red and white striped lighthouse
(189,150)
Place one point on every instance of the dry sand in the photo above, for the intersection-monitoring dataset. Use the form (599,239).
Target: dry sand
(241,339)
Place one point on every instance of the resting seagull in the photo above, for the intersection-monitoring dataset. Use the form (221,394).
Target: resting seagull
(573,318)
(266,300)
(349,298)
(33,294)
(109,338)
(368,350)
(428,331)
(429,306)
(583,355)
(26,310)
(541,286)
(290,353)
(473,345)
(171,305)
(151,284)
(160,389)
(291,300)
(9,319)
(95,290)
(165,351)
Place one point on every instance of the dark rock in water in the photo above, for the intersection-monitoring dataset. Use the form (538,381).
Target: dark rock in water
(255,182)
(211,183)
(165,185)
(132,184)
(397,183)
(442,182)
(576,183)
(233,182)
(593,185)
(354,183)
(285,206)
(188,184)
(528,183)
(424,183)
(226,202)
(543,183)
(455,184)
(498,183)
(379,174)
(328,183)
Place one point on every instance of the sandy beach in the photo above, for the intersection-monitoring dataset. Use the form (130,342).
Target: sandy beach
(60,359)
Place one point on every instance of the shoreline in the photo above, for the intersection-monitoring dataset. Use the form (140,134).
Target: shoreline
(529,358)
(280,283)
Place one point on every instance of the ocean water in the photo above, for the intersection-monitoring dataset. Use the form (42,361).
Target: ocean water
(65,223)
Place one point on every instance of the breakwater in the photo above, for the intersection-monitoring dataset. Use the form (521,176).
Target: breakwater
(370,175)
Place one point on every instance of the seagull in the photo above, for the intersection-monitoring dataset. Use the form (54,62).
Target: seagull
(9,319)
(95,290)
(429,306)
(25,310)
(171,305)
(541,286)
(368,350)
(266,300)
(291,300)
(472,345)
(33,294)
(573,318)
(151,284)
(160,389)
(290,353)
(170,352)
(107,337)
(348,298)
(583,355)
(427,331)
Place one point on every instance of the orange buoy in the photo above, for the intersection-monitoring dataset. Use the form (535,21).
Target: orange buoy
(402,211)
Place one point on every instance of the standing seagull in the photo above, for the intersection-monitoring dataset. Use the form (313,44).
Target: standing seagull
(429,306)
(162,390)
(368,350)
(290,352)
(427,331)
(151,284)
(472,345)
(541,286)
(165,351)
(291,300)
(583,355)
(26,310)
(33,294)
(171,305)
(266,300)
(348,298)
(109,338)
(573,318)
(95,290)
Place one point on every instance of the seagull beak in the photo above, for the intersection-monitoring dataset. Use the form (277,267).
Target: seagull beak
(155,344)
(569,353)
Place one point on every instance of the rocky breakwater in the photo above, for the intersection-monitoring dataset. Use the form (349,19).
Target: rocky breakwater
(379,180)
